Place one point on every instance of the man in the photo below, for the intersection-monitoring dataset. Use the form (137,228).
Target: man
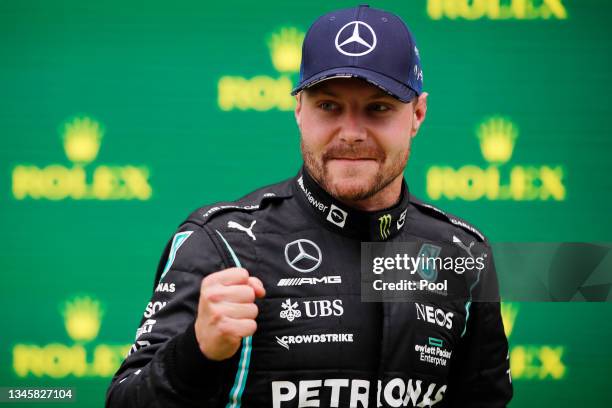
(258,302)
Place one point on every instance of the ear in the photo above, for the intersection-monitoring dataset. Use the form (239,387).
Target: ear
(298,109)
(420,111)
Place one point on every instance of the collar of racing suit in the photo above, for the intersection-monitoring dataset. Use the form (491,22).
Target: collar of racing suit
(363,225)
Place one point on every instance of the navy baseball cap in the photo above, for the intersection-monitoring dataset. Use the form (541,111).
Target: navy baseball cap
(365,43)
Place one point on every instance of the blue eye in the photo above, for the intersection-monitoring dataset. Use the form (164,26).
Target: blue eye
(377,107)
(328,106)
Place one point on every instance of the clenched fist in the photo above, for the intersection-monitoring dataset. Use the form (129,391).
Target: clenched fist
(226,311)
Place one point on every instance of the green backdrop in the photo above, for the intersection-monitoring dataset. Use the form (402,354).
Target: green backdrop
(118,119)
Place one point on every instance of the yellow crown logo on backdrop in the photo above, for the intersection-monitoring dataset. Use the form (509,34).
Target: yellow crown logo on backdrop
(82,318)
(82,137)
(286,49)
(509,311)
(497,136)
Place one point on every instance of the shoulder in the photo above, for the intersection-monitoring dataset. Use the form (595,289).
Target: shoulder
(198,244)
(252,203)
(431,216)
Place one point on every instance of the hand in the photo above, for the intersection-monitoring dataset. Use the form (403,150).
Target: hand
(226,311)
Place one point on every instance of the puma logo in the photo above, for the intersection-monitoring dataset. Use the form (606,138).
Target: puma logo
(462,246)
(249,231)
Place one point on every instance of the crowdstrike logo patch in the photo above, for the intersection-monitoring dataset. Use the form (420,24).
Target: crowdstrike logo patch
(355,39)
(286,341)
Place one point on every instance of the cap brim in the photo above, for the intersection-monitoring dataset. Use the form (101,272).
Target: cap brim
(389,85)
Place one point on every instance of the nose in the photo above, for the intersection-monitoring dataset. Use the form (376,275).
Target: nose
(352,129)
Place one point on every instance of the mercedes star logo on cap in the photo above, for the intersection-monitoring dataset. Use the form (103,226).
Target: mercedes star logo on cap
(353,26)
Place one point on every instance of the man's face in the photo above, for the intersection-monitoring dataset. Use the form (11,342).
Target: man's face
(355,138)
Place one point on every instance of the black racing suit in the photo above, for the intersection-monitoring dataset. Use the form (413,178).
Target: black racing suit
(317,343)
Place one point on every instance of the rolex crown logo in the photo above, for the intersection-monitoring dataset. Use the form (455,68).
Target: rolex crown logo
(385,226)
(286,49)
(497,136)
(82,137)
(509,311)
(82,318)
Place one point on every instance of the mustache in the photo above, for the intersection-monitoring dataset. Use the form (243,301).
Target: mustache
(345,151)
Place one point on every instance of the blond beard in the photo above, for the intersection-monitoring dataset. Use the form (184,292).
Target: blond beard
(383,177)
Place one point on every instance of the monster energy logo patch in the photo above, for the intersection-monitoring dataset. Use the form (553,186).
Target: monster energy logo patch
(385,226)
(427,269)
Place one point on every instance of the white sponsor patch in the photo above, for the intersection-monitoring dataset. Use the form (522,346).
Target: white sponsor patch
(146,327)
(433,353)
(153,307)
(286,341)
(337,216)
(313,201)
(165,287)
(312,308)
(309,281)
(344,392)
(434,315)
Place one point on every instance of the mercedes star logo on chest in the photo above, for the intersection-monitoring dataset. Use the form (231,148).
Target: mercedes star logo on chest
(303,255)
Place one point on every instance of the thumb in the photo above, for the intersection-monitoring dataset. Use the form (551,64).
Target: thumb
(257,286)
